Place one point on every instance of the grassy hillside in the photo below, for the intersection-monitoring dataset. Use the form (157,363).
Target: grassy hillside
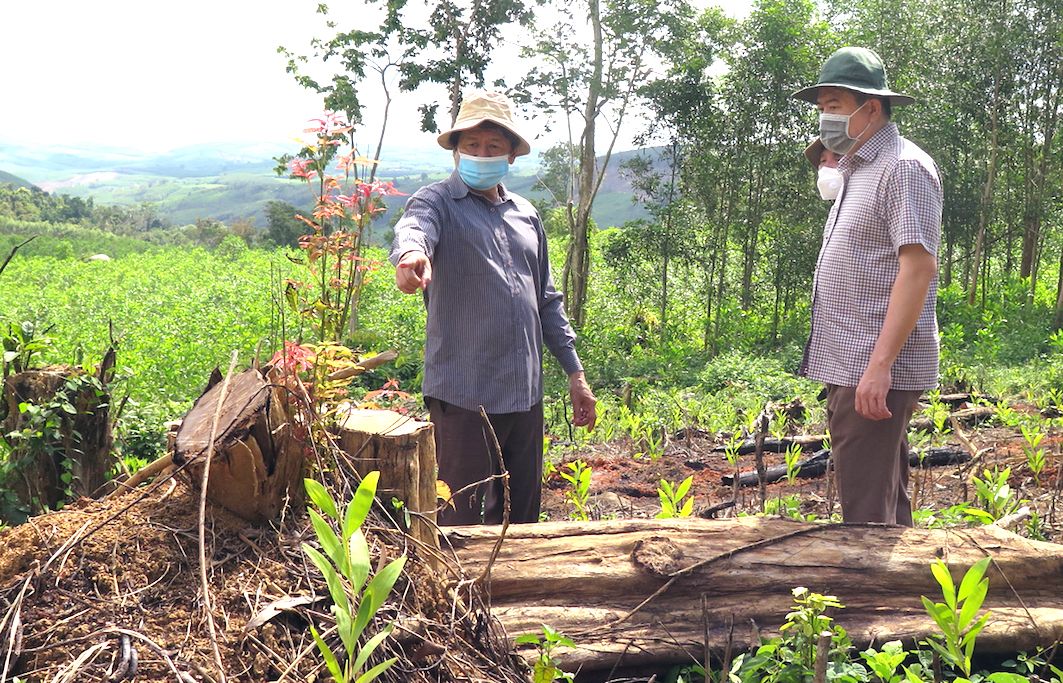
(10,179)
(231,182)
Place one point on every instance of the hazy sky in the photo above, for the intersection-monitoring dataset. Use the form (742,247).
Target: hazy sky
(151,76)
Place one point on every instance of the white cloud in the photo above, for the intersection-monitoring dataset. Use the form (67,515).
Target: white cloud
(152,76)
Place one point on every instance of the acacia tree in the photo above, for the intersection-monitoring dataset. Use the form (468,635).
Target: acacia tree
(443,42)
(1039,103)
(446,42)
(591,77)
(684,110)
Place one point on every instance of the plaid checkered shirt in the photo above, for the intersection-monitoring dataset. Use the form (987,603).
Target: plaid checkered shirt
(891,198)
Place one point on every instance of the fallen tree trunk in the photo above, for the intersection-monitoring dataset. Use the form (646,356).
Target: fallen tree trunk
(257,466)
(807,442)
(968,416)
(816,465)
(629,592)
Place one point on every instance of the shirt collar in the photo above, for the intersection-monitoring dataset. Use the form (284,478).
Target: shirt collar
(875,144)
(458,189)
(456,186)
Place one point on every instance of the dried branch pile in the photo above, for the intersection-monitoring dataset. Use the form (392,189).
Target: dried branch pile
(112,589)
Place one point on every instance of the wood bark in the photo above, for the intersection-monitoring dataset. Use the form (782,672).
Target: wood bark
(1057,321)
(985,206)
(587,580)
(81,445)
(257,466)
(403,451)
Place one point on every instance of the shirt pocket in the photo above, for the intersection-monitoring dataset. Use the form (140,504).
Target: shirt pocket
(470,249)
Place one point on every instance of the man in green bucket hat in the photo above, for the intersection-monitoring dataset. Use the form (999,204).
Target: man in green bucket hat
(874,337)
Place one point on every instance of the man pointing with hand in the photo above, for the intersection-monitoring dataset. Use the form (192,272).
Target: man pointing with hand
(479,254)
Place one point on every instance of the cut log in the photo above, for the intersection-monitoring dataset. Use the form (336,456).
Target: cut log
(816,465)
(403,450)
(967,416)
(80,445)
(588,580)
(807,442)
(960,399)
(257,465)
(975,415)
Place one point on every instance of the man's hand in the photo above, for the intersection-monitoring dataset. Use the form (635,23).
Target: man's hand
(916,272)
(584,404)
(413,272)
(871,393)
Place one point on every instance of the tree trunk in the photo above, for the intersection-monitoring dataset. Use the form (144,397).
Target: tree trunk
(403,451)
(986,205)
(257,464)
(577,265)
(1058,321)
(72,458)
(589,580)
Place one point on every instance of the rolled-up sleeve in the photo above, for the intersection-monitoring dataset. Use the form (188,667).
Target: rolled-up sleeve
(558,334)
(417,229)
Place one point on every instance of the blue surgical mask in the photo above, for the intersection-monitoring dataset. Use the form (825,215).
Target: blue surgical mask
(834,131)
(482,173)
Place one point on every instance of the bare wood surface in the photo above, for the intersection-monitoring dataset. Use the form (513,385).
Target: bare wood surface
(258,465)
(587,579)
(402,449)
(149,471)
(363,365)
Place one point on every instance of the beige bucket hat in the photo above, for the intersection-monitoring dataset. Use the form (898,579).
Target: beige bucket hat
(478,107)
(814,151)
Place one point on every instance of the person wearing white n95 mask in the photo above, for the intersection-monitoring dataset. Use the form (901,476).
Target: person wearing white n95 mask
(829,180)
(829,183)
(873,337)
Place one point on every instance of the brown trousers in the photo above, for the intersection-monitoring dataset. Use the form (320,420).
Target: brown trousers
(465,456)
(871,457)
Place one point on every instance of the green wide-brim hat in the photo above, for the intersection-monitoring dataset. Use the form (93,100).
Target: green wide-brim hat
(854,68)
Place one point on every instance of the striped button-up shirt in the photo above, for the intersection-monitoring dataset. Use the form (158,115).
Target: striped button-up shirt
(891,198)
(491,303)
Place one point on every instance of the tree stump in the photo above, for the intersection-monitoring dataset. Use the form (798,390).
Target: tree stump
(257,465)
(74,434)
(404,451)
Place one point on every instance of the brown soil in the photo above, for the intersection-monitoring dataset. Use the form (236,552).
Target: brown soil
(624,486)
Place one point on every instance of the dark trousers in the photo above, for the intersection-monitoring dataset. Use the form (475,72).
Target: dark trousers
(465,456)
(871,457)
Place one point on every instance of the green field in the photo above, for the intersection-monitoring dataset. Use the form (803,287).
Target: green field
(178,312)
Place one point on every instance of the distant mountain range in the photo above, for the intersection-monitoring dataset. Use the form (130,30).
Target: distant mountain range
(236,181)
(9,179)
